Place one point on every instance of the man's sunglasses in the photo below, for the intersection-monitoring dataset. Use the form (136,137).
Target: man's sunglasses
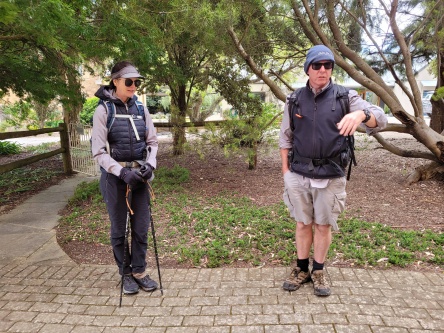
(317,65)
(129,82)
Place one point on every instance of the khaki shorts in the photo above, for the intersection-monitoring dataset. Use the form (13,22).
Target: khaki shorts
(309,204)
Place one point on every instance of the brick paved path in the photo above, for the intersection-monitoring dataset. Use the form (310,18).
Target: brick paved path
(82,299)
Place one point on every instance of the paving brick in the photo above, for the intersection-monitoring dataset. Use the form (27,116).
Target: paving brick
(353,329)
(182,330)
(436,314)
(219,329)
(98,310)
(170,321)
(177,301)
(278,309)
(104,321)
(144,330)
(401,322)
(281,328)
(95,329)
(414,313)
(187,311)
(196,321)
(342,308)
(24,327)
(325,318)
(230,320)
(11,296)
(76,319)
(381,329)
(365,319)
(56,328)
(264,319)
(316,328)
(216,310)
(432,324)
(233,300)
(50,318)
(247,329)
(295,318)
(157,311)
(5,325)
(44,307)
(139,322)
(423,304)
(17,306)
(115,330)
(378,310)
(20,316)
(204,301)
(246,309)
(72,308)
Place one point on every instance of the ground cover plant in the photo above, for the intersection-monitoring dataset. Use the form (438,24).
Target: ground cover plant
(216,213)
(18,184)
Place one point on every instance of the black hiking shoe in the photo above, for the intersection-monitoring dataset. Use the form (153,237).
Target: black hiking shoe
(129,285)
(146,283)
(320,284)
(296,279)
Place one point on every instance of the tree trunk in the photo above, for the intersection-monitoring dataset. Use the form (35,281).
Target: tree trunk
(437,118)
(427,171)
(252,156)
(178,114)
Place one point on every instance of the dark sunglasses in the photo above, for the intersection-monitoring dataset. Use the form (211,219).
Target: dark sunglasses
(129,82)
(317,65)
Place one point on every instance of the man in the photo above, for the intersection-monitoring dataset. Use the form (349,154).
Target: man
(315,131)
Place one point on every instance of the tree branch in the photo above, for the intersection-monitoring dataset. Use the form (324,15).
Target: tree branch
(404,153)
(259,72)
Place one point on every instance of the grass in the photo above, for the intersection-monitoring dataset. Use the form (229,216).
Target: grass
(27,178)
(225,230)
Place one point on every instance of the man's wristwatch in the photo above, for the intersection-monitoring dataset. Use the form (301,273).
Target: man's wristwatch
(368,115)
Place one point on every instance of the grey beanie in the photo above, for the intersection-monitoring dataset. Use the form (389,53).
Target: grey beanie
(318,53)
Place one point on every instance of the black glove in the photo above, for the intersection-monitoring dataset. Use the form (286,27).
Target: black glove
(131,177)
(147,171)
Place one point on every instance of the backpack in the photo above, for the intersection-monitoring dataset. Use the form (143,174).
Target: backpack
(110,109)
(342,94)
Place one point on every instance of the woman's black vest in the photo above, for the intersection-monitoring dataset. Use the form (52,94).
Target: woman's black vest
(319,151)
(124,145)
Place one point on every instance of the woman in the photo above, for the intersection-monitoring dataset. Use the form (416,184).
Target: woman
(124,144)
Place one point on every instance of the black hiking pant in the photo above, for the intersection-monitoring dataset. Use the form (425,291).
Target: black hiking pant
(113,190)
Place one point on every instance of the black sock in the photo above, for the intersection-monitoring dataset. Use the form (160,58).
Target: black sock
(317,266)
(302,264)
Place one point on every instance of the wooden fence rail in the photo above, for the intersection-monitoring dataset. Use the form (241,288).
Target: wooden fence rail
(64,149)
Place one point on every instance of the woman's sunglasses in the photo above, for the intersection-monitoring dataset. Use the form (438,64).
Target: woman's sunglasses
(129,82)
(317,65)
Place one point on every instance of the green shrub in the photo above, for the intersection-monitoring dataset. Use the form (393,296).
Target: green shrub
(10,148)
(89,107)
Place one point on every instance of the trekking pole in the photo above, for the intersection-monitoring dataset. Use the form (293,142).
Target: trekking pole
(129,212)
(151,194)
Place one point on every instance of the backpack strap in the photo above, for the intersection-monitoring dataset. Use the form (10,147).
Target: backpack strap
(293,101)
(141,109)
(342,95)
(110,110)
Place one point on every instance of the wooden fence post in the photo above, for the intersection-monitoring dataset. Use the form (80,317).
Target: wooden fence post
(66,155)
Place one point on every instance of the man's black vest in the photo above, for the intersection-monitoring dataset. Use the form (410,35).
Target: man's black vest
(124,145)
(319,151)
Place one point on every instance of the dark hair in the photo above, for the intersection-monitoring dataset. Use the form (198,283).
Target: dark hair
(117,67)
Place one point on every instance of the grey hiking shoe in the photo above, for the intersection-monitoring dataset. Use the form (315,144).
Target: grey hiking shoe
(320,284)
(129,285)
(146,283)
(296,279)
